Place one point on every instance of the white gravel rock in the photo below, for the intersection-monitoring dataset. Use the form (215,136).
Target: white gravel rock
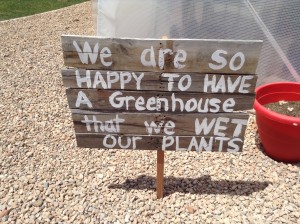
(45,178)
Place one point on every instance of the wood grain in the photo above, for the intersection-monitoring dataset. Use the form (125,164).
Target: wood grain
(155,142)
(94,123)
(100,100)
(134,123)
(160,174)
(157,81)
(126,53)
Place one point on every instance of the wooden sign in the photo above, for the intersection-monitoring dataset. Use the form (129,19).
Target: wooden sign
(173,55)
(160,94)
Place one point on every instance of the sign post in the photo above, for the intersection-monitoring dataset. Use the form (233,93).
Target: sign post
(160,94)
(160,174)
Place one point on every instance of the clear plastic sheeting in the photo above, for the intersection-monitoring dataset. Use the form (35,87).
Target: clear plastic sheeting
(276,22)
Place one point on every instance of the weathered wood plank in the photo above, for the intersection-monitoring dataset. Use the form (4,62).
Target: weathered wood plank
(125,54)
(117,80)
(222,124)
(150,101)
(178,143)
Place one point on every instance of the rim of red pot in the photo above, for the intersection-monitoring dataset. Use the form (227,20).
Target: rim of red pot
(294,121)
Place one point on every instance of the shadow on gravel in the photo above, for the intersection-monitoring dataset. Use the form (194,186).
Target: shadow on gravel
(202,185)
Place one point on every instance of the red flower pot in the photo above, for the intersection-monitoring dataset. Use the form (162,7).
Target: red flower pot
(280,134)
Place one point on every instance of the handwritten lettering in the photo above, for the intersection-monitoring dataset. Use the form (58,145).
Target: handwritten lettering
(83,99)
(110,126)
(163,93)
(200,144)
(218,126)
(106,81)
(220,61)
(225,84)
(125,142)
(148,58)
(168,127)
(182,86)
(87,53)
(203,105)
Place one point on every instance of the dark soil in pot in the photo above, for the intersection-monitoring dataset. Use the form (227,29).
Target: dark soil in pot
(289,108)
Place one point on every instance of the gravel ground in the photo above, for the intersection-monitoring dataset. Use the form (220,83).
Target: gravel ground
(45,178)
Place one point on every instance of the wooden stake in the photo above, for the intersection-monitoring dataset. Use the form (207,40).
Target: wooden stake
(160,174)
(160,166)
